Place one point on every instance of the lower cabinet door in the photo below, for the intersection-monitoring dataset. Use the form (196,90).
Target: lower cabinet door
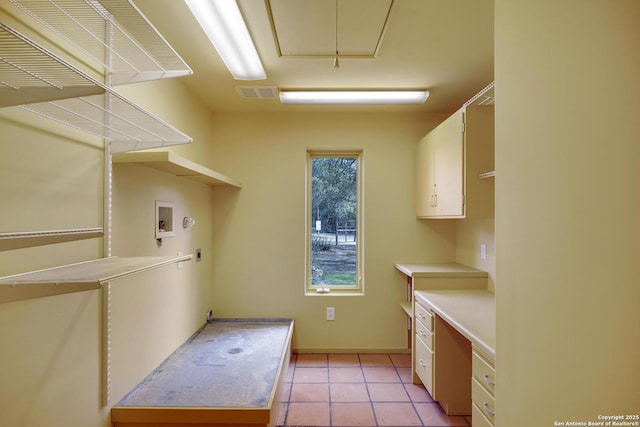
(424,364)
(485,402)
(477,417)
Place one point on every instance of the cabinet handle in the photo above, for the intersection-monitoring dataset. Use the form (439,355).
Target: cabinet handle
(421,332)
(421,316)
(435,198)
(485,405)
(488,380)
(421,363)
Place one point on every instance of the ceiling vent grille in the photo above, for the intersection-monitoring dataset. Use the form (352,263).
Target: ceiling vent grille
(258,92)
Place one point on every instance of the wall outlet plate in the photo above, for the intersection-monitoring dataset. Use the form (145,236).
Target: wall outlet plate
(331,313)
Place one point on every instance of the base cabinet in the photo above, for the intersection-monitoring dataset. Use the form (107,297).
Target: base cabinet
(442,361)
(483,389)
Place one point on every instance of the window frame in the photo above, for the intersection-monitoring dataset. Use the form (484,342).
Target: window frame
(358,288)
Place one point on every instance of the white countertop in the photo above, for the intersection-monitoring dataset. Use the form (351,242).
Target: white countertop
(450,269)
(471,312)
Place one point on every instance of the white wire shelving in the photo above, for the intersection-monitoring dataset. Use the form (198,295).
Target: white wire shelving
(78,277)
(24,239)
(30,73)
(114,33)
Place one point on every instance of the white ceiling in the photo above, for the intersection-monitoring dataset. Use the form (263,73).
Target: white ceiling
(445,46)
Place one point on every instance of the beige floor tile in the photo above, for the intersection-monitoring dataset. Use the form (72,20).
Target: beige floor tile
(348,392)
(432,414)
(380,374)
(387,392)
(311,375)
(401,360)
(346,375)
(352,414)
(308,414)
(418,393)
(346,359)
(372,359)
(311,360)
(305,392)
(396,414)
(405,375)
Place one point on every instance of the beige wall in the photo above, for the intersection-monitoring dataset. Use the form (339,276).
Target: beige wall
(567,210)
(259,231)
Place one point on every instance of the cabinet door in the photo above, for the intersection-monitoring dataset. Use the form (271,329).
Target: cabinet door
(449,167)
(425,177)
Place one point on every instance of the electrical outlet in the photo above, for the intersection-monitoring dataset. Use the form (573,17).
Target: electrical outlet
(331,313)
(483,251)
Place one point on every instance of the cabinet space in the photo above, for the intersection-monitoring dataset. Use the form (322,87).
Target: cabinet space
(449,160)
(442,361)
(483,388)
(458,369)
(436,276)
(440,161)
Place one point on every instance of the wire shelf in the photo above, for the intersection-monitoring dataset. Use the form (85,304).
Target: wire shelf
(114,33)
(485,97)
(30,73)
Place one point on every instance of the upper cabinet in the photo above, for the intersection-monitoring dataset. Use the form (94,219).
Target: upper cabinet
(440,163)
(450,159)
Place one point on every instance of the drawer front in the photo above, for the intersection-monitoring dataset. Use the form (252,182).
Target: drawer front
(478,419)
(424,364)
(424,316)
(425,334)
(484,372)
(483,400)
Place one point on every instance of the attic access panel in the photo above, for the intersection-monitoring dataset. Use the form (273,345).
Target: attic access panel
(308,28)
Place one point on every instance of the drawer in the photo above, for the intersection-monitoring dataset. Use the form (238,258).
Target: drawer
(483,372)
(424,364)
(478,419)
(424,316)
(425,334)
(483,400)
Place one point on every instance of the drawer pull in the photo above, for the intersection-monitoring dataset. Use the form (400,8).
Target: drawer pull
(485,405)
(421,316)
(421,332)
(488,380)
(421,363)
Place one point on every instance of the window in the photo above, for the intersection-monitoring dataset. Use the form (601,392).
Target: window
(334,230)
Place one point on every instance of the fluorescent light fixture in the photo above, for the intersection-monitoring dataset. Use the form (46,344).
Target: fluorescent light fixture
(354,97)
(222,21)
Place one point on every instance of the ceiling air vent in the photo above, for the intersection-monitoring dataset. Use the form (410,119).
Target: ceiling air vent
(258,92)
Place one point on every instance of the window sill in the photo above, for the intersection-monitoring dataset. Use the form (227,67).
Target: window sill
(354,293)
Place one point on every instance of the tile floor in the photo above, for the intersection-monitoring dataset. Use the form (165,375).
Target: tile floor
(358,390)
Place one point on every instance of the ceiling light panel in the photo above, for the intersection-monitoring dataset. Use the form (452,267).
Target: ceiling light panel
(307,28)
(223,23)
(354,97)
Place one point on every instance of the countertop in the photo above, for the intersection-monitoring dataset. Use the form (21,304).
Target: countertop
(451,269)
(470,312)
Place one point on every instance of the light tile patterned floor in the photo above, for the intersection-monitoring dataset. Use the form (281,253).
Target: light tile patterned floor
(358,390)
